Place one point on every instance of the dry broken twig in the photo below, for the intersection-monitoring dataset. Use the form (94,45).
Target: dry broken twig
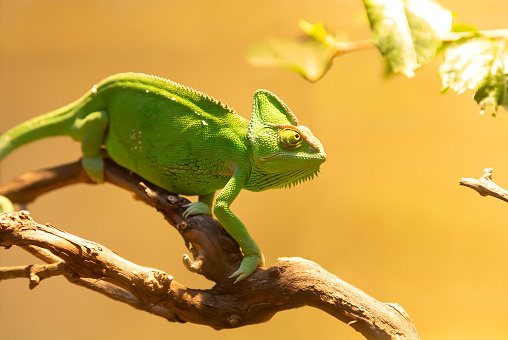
(485,186)
(290,283)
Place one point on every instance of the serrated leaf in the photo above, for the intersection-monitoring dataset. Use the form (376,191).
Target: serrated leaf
(427,22)
(407,32)
(477,63)
(308,57)
(391,34)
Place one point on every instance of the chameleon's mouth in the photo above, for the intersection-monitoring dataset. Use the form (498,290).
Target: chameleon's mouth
(271,156)
(320,157)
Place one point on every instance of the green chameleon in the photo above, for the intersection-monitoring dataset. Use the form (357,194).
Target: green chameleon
(186,142)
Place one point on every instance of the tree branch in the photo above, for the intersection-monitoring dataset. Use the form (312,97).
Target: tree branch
(290,283)
(485,186)
(216,254)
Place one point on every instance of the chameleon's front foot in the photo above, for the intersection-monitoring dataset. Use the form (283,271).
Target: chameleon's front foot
(196,208)
(249,264)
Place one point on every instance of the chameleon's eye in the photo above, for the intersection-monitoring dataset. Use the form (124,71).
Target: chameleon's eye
(290,138)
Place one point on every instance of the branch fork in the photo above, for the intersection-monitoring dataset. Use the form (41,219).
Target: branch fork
(485,186)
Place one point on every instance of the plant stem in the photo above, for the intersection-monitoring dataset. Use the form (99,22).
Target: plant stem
(452,36)
(349,46)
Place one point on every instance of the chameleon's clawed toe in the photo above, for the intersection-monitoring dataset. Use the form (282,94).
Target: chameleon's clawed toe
(196,208)
(249,264)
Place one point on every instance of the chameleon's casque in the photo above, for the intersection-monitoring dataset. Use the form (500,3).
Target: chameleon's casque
(185,142)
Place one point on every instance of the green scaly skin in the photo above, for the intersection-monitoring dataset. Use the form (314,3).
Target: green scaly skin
(6,205)
(185,142)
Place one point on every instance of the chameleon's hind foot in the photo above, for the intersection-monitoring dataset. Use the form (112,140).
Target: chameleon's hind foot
(94,167)
(196,208)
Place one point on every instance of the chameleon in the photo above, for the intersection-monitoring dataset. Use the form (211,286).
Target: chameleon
(186,142)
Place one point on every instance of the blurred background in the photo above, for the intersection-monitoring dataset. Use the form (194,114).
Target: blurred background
(386,213)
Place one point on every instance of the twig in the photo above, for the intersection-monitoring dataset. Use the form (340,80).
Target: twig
(35,272)
(452,36)
(485,186)
(350,46)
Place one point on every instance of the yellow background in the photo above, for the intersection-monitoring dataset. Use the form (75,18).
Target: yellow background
(386,213)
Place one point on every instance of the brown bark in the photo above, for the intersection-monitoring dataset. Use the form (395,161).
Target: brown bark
(290,283)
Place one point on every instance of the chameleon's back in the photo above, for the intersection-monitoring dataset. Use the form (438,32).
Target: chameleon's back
(173,136)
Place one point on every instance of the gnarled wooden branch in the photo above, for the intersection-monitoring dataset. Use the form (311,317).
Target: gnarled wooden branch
(290,283)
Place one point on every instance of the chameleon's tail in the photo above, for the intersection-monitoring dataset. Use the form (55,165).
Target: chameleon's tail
(54,123)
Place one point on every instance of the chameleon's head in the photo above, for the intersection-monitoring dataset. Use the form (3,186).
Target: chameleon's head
(285,153)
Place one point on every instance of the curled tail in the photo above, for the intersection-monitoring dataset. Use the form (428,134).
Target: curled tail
(55,123)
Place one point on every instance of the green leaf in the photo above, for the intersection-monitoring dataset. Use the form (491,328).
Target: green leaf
(318,32)
(307,57)
(463,28)
(391,34)
(311,56)
(477,63)
(407,32)
(493,92)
